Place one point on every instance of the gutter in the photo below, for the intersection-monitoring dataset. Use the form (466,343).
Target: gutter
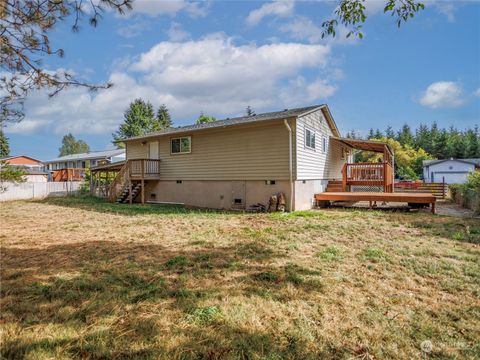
(290,163)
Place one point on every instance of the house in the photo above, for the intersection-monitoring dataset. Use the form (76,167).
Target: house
(452,171)
(237,162)
(33,168)
(23,161)
(72,167)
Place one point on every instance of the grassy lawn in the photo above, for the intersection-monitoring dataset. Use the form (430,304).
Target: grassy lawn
(84,279)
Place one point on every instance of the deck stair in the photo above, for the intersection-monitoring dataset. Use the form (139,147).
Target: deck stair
(124,196)
(334,186)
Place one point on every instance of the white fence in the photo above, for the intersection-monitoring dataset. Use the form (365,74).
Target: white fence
(38,190)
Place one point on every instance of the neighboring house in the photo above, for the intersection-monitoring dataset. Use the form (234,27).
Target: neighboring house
(33,175)
(33,168)
(452,171)
(234,163)
(23,161)
(72,167)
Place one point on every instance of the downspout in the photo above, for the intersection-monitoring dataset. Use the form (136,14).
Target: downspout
(290,164)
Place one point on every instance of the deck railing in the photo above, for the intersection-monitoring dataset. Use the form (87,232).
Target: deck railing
(368,174)
(134,169)
(68,174)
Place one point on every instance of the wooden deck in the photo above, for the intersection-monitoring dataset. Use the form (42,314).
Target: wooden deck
(378,196)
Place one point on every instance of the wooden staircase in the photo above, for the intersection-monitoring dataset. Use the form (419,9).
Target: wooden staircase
(334,186)
(124,196)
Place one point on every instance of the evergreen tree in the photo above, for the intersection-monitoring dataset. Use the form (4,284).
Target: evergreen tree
(472,144)
(439,148)
(378,134)
(163,117)
(4,147)
(423,139)
(139,119)
(70,146)
(249,111)
(371,134)
(389,133)
(455,145)
(405,136)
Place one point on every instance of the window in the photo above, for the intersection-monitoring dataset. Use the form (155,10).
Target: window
(324,144)
(309,139)
(343,153)
(181,145)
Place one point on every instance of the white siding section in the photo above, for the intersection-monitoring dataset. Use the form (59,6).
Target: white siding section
(315,163)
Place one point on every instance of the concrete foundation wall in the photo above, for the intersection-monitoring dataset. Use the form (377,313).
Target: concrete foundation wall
(305,191)
(215,194)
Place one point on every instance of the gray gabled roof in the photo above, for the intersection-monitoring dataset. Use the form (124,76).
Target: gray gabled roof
(475,162)
(275,115)
(88,156)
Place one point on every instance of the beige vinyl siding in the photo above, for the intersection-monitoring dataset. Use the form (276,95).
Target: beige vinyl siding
(315,163)
(135,150)
(250,152)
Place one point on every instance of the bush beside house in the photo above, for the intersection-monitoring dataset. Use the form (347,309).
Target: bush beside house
(468,194)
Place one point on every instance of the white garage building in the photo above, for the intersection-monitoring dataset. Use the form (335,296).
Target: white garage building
(454,171)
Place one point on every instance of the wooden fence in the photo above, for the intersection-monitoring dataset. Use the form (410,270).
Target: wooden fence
(439,190)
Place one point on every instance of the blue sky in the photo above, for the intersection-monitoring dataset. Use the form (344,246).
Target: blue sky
(220,57)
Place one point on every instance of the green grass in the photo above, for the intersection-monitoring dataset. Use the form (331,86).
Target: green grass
(98,281)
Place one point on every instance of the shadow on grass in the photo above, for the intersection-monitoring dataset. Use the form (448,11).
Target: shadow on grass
(91,203)
(84,288)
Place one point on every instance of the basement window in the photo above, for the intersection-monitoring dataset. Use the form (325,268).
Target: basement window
(179,181)
(269,182)
(310,139)
(181,145)
(237,201)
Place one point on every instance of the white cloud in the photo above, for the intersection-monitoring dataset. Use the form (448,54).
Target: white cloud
(281,8)
(176,33)
(443,94)
(477,92)
(169,7)
(213,75)
(374,6)
(446,8)
(303,28)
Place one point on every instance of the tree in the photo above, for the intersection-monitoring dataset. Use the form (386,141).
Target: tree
(4,147)
(408,161)
(405,136)
(249,111)
(389,133)
(352,14)
(422,138)
(70,146)
(163,117)
(439,147)
(472,143)
(202,119)
(139,119)
(10,174)
(25,27)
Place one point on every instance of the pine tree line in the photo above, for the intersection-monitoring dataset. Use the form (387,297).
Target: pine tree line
(440,143)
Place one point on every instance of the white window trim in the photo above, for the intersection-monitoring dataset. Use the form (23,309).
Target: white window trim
(181,152)
(305,139)
(324,144)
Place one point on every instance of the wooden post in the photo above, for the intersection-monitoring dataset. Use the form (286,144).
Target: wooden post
(344,178)
(129,174)
(433,208)
(143,181)
(443,188)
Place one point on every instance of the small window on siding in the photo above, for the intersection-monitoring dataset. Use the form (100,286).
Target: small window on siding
(309,138)
(181,145)
(324,144)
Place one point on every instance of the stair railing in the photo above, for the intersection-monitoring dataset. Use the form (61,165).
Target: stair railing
(118,184)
